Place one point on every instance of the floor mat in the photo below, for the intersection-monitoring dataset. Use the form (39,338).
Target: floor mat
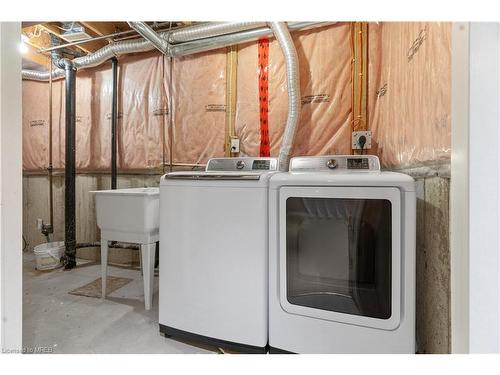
(93,289)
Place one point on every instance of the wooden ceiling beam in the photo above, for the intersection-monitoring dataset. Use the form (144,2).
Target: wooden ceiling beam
(55,31)
(105,28)
(39,37)
(88,47)
(36,38)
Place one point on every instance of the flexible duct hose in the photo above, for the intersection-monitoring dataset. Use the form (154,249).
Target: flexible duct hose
(149,34)
(245,31)
(94,59)
(282,34)
(210,29)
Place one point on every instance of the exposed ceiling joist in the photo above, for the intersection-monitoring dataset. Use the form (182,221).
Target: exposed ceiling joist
(86,47)
(105,28)
(39,37)
(36,37)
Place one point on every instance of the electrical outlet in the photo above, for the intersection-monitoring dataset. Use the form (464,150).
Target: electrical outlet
(355,140)
(39,224)
(235,145)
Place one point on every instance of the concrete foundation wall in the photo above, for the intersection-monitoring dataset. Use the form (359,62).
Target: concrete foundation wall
(433,265)
(433,255)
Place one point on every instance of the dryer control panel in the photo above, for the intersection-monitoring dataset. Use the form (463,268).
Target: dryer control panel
(358,163)
(246,164)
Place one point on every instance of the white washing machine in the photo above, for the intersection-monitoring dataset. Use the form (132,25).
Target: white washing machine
(342,257)
(214,254)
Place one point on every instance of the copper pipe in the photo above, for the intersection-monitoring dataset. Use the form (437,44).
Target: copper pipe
(353,69)
(364,74)
(163,140)
(170,117)
(360,77)
(231,77)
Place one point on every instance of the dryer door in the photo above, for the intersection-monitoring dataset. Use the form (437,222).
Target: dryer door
(340,254)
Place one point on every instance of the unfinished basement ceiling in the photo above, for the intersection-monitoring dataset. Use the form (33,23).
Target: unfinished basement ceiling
(84,37)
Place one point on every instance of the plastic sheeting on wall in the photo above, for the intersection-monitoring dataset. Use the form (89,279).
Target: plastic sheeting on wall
(199,101)
(325,74)
(409,92)
(35,128)
(142,112)
(408,102)
(199,84)
(35,124)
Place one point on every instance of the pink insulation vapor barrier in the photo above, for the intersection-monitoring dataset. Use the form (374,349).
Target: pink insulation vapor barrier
(409,92)
(325,78)
(199,96)
(409,88)
(142,108)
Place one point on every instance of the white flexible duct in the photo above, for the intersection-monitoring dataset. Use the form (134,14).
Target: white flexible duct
(282,34)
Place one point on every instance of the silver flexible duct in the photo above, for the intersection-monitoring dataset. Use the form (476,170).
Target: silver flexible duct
(202,45)
(34,75)
(94,59)
(112,50)
(210,29)
(282,34)
(149,34)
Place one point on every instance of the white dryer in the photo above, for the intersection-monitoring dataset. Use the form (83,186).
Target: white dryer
(214,254)
(342,257)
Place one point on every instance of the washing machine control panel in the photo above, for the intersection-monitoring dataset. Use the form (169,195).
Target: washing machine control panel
(261,165)
(334,163)
(245,164)
(358,163)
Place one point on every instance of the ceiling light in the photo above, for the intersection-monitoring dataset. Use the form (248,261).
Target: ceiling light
(23,48)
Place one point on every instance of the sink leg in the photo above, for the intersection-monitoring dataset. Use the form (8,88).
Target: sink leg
(148,263)
(140,261)
(104,265)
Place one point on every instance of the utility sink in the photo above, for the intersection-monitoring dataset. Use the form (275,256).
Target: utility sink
(128,215)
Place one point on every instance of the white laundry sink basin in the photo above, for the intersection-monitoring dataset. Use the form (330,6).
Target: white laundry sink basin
(128,215)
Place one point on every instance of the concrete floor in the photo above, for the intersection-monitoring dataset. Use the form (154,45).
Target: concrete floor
(76,324)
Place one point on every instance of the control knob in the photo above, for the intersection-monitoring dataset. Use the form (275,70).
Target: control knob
(332,163)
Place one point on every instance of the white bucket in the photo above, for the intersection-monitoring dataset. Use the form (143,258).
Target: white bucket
(48,255)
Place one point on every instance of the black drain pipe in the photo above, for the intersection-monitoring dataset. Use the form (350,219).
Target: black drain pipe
(114,110)
(70,169)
